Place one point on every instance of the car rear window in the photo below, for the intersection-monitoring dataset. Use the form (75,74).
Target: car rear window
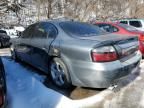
(81,29)
(129,28)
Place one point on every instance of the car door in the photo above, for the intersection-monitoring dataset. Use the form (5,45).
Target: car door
(42,38)
(23,44)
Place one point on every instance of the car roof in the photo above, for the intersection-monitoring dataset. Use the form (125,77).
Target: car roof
(58,20)
(133,19)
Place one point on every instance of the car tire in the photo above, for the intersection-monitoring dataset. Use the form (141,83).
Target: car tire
(59,73)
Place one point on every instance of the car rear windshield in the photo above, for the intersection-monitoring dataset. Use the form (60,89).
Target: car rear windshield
(81,29)
(129,28)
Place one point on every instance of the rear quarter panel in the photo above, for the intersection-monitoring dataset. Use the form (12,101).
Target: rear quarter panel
(76,53)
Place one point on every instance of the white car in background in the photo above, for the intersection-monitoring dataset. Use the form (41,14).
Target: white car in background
(137,23)
(15,31)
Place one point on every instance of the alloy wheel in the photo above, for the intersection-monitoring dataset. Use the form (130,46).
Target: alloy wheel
(57,73)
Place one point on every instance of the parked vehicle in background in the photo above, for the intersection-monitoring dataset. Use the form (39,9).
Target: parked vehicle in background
(77,53)
(14,31)
(19,30)
(2,86)
(124,29)
(137,23)
(4,39)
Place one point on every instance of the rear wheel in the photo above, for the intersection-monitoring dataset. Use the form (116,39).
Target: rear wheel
(59,73)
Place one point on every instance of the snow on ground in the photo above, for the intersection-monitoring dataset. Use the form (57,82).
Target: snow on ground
(25,91)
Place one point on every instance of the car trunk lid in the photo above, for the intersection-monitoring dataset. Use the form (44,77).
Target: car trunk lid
(124,45)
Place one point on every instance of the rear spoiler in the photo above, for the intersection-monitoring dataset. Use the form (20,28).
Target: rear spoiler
(120,41)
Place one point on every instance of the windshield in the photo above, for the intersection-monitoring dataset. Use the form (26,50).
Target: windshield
(81,29)
(129,28)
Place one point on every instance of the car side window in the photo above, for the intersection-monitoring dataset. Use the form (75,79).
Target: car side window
(124,22)
(114,29)
(28,32)
(39,32)
(135,23)
(50,29)
(108,28)
(104,27)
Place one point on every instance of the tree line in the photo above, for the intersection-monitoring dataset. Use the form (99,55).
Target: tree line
(82,10)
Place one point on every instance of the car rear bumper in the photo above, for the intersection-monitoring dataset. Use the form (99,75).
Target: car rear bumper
(102,75)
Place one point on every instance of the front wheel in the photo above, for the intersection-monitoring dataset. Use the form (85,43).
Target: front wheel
(59,73)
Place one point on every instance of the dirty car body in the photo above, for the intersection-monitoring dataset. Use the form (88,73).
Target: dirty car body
(93,58)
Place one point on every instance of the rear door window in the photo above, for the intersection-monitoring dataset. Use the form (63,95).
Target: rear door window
(39,32)
(135,23)
(50,29)
(28,32)
(44,30)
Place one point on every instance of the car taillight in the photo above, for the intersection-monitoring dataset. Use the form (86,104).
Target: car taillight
(141,38)
(104,54)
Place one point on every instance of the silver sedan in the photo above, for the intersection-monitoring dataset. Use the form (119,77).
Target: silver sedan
(77,53)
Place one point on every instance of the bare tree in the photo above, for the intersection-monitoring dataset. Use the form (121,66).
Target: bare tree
(47,7)
(81,10)
(12,5)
